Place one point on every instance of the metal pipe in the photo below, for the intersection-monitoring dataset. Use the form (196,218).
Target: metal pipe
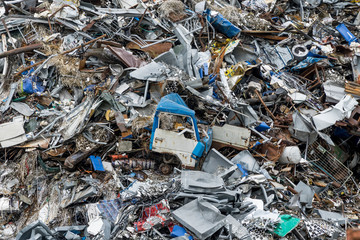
(20,50)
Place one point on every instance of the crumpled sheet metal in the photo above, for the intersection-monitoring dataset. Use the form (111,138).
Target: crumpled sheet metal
(37,229)
(306,193)
(340,111)
(201,182)
(153,71)
(109,65)
(126,57)
(214,161)
(200,217)
(22,108)
(154,50)
(246,160)
(12,133)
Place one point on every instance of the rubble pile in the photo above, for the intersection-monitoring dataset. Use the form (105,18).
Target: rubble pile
(170,119)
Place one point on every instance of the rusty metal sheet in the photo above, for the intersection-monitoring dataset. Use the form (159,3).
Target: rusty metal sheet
(41,143)
(58,151)
(126,57)
(153,50)
(271,151)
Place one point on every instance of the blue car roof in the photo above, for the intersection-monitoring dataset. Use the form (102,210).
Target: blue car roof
(173,103)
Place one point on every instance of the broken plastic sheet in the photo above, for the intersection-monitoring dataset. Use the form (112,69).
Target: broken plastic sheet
(307,62)
(33,228)
(334,217)
(216,163)
(152,216)
(287,224)
(237,229)
(259,212)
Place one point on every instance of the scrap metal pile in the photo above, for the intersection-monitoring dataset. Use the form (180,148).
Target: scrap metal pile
(169,119)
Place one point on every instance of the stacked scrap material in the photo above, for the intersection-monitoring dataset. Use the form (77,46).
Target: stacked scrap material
(169,119)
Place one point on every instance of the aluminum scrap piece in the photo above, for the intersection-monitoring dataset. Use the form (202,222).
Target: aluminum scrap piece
(320,227)
(122,12)
(200,217)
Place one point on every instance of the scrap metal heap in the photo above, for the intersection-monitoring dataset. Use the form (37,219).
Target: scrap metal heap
(170,119)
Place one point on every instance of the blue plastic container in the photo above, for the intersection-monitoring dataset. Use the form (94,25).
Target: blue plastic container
(221,24)
(344,31)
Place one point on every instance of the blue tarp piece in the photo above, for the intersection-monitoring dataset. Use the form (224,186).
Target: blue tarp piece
(97,163)
(221,24)
(173,103)
(32,85)
(27,72)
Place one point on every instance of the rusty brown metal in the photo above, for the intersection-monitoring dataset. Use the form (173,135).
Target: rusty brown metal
(263,103)
(153,50)
(353,88)
(219,60)
(126,57)
(87,43)
(110,43)
(352,234)
(311,84)
(76,158)
(87,27)
(41,143)
(142,17)
(15,51)
(27,68)
(355,117)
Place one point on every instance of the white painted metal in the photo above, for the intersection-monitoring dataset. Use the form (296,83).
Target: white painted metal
(232,135)
(176,144)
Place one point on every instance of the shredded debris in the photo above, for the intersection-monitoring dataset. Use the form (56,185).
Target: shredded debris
(174,119)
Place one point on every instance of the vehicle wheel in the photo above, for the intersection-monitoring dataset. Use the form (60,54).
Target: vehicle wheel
(165,168)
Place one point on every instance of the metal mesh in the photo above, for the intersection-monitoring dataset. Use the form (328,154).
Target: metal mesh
(32,35)
(322,160)
(109,26)
(192,23)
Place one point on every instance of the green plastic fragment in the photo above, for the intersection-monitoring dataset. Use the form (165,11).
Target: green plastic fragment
(287,224)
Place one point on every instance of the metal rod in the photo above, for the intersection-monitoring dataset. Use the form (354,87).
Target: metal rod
(20,50)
